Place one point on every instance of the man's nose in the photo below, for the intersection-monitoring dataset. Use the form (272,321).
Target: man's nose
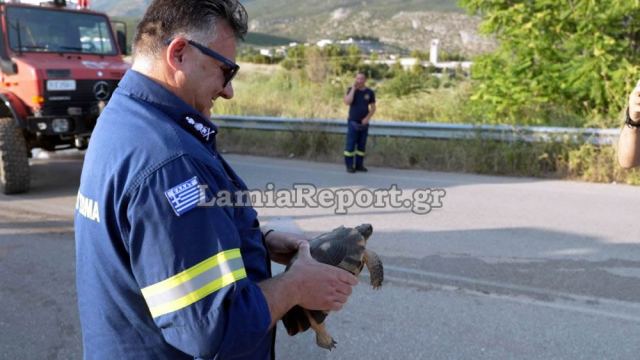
(227,92)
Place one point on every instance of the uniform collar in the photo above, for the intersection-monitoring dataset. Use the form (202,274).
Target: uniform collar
(140,86)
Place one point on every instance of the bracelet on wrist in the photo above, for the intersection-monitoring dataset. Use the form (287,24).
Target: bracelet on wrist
(267,233)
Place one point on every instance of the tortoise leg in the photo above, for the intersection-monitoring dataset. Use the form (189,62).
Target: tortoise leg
(376,270)
(323,339)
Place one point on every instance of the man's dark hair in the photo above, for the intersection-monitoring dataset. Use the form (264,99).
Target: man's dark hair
(165,19)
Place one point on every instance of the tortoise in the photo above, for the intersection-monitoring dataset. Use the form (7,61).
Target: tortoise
(345,248)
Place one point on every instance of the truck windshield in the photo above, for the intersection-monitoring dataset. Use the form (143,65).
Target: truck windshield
(50,30)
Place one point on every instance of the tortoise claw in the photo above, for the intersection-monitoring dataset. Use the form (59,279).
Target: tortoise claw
(329,346)
(326,342)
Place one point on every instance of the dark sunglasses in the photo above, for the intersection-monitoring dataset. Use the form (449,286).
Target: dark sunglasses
(229,69)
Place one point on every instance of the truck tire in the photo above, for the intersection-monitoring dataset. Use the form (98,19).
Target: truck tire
(14,161)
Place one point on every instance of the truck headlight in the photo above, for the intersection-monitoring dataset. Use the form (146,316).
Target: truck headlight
(60,125)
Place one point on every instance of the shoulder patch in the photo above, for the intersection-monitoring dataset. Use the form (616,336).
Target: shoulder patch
(184,197)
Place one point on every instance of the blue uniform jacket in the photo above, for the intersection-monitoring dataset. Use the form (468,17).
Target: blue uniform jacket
(159,277)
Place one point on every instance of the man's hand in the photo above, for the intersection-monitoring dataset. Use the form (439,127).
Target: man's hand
(365,122)
(634,103)
(308,283)
(283,246)
(319,286)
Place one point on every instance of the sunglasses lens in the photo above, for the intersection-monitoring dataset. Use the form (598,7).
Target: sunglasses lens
(229,74)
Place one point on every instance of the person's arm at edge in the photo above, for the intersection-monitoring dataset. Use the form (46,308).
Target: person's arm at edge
(629,142)
(629,147)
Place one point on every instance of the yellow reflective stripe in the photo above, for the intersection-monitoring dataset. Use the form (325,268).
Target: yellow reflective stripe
(346,153)
(360,153)
(199,294)
(190,273)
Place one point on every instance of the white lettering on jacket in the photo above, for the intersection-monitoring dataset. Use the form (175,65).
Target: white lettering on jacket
(88,208)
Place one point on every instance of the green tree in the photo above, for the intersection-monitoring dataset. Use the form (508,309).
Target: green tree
(420,55)
(338,63)
(354,56)
(577,57)
(295,58)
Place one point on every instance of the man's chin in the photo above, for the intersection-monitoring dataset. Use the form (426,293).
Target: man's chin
(207,110)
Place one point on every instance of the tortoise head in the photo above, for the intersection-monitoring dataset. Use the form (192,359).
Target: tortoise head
(365,230)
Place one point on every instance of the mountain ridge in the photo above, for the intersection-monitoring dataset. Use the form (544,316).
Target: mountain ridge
(410,24)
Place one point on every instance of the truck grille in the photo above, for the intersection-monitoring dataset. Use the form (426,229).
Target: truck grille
(87,95)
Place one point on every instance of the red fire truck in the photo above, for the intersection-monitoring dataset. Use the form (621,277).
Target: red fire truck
(59,64)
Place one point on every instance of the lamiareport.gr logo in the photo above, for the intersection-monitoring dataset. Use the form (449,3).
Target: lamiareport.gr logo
(341,200)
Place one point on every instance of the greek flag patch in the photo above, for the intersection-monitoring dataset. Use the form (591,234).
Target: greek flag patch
(185,196)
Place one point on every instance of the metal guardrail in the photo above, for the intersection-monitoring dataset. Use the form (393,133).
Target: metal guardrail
(426,130)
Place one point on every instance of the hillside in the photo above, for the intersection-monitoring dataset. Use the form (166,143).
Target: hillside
(282,9)
(414,30)
(410,24)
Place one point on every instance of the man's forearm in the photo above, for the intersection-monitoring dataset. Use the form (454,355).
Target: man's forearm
(348,99)
(629,147)
(369,115)
(280,294)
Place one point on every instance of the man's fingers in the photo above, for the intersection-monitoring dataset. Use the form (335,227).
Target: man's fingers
(348,278)
(342,275)
(344,290)
(340,298)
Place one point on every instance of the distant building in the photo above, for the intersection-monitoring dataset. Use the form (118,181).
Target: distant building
(349,41)
(266,52)
(408,63)
(324,42)
(433,52)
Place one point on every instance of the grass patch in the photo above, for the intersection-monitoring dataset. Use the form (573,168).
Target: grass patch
(292,94)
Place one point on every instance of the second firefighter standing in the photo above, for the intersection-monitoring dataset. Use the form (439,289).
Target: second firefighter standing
(362,106)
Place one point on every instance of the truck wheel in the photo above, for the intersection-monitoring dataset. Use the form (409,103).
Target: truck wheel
(14,161)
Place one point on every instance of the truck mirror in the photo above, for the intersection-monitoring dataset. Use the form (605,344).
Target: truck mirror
(121,37)
(8,67)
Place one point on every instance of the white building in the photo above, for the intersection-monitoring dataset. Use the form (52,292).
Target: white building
(324,42)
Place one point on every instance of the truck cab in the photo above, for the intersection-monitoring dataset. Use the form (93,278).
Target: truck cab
(59,64)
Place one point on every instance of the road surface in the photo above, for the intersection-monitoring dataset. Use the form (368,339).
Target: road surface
(507,268)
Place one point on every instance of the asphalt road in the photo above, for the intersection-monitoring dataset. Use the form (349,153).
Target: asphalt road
(507,268)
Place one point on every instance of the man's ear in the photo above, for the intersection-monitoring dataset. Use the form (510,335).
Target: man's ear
(176,53)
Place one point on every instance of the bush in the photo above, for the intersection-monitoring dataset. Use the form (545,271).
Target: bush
(406,83)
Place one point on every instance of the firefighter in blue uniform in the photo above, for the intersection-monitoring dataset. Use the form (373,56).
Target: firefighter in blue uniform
(158,275)
(362,106)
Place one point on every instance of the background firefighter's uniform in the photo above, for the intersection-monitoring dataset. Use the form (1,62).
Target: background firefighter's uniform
(157,276)
(357,133)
